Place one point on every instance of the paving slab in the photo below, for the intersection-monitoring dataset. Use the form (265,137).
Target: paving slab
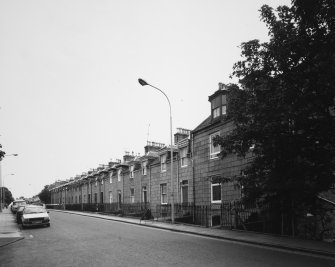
(9,230)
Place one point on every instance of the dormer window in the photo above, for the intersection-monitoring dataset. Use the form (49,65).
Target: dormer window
(219,106)
(219,102)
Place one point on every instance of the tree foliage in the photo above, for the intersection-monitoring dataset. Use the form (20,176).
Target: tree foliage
(8,196)
(2,153)
(284,107)
(45,195)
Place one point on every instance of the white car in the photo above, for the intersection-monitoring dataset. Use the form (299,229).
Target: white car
(34,216)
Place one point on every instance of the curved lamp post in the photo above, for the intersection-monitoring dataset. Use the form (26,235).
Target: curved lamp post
(2,191)
(143,83)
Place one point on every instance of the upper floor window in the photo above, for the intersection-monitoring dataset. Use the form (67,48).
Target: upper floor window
(119,175)
(183,157)
(213,150)
(111,177)
(144,168)
(163,163)
(219,106)
(132,171)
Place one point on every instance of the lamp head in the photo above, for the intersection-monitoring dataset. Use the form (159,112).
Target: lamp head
(142,82)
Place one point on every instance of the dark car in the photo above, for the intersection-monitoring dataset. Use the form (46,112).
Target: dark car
(19,213)
(16,204)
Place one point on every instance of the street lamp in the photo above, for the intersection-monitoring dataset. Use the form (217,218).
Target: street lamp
(2,192)
(143,83)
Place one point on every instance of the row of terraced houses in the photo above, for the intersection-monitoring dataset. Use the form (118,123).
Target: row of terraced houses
(140,182)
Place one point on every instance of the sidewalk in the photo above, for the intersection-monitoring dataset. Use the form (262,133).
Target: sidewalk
(9,230)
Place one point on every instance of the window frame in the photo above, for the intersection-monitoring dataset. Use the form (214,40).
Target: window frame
(183,157)
(213,155)
(144,168)
(216,201)
(132,195)
(163,193)
(163,159)
(119,175)
(131,172)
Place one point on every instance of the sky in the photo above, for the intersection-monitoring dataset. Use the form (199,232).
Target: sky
(69,93)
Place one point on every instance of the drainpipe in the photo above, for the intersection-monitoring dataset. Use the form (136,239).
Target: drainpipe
(193,175)
(178,182)
(150,187)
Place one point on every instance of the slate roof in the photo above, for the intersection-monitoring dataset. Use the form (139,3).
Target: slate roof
(204,124)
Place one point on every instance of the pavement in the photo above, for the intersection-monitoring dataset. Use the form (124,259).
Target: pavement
(9,229)
(10,232)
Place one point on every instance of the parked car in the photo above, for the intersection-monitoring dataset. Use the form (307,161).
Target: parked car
(19,214)
(17,203)
(35,216)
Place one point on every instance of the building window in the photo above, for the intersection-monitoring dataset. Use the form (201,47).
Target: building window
(219,106)
(183,157)
(163,194)
(216,193)
(224,105)
(213,150)
(110,197)
(95,198)
(101,197)
(132,197)
(216,112)
(144,168)
(184,192)
(102,181)
(144,194)
(111,177)
(163,163)
(132,171)
(119,175)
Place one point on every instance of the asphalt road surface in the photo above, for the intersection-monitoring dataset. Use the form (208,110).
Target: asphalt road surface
(74,240)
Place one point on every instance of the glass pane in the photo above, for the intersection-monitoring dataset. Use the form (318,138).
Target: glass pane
(224,110)
(216,189)
(224,99)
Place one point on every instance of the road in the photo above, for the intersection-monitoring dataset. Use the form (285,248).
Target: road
(74,240)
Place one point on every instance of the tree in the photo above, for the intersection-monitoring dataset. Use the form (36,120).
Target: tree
(284,107)
(45,195)
(2,153)
(8,196)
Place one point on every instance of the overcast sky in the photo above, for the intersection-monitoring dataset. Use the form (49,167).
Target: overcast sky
(69,95)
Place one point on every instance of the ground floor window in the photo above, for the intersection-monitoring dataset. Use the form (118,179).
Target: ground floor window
(95,198)
(216,193)
(144,194)
(110,197)
(163,194)
(132,196)
(184,192)
(101,197)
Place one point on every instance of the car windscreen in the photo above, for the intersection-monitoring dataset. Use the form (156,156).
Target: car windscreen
(29,210)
